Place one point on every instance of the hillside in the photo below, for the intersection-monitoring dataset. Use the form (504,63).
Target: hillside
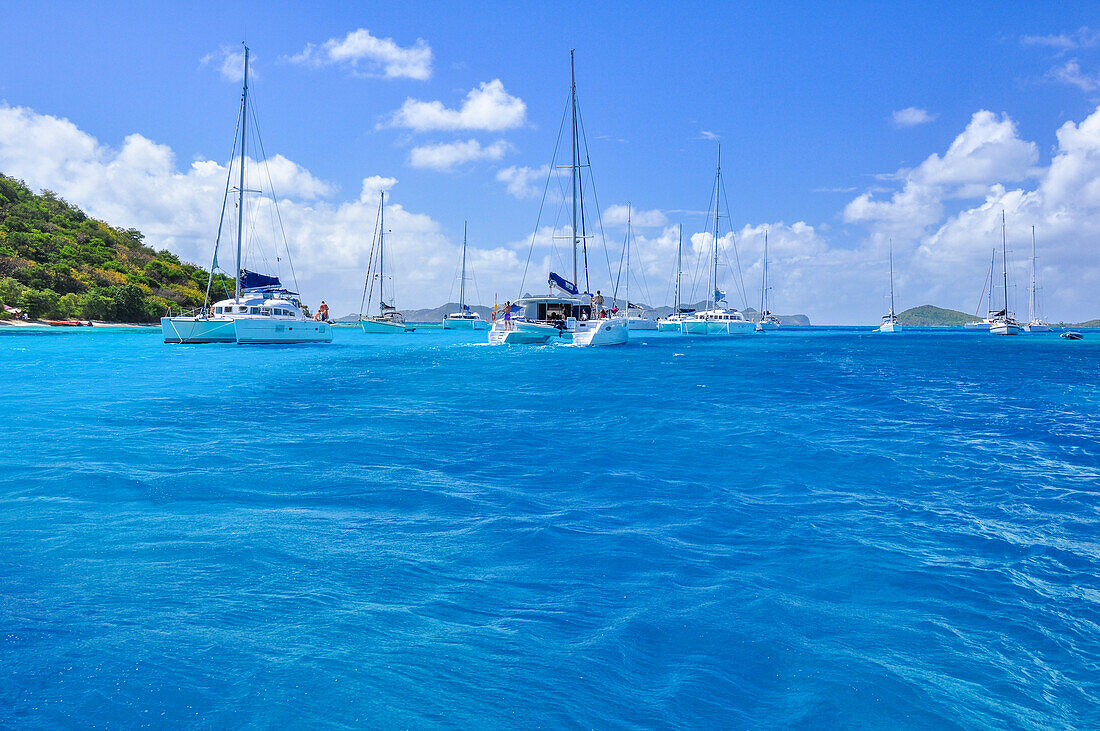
(931,316)
(56,262)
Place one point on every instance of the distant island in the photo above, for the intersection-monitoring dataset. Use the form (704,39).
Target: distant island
(57,263)
(931,316)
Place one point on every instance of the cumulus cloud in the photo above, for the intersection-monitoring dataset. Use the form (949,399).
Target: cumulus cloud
(488,108)
(522,181)
(445,156)
(140,185)
(229,61)
(362,52)
(616,216)
(911,117)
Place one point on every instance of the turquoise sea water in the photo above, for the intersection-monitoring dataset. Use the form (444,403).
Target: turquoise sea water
(815,529)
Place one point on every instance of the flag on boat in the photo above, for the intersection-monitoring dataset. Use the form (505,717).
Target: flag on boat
(719,295)
(563,284)
(465,308)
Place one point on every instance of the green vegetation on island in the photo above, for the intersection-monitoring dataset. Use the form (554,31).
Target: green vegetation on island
(57,263)
(931,316)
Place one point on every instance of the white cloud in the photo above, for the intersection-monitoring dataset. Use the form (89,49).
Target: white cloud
(1080,38)
(524,182)
(360,50)
(911,117)
(488,107)
(139,185)
(445,156)
(616,216)
(229,60)
(1070,73)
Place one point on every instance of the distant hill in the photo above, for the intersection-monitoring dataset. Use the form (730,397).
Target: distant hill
(931,316)
(1088,323)
(57,263)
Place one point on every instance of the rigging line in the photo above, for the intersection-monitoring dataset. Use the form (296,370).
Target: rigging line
(542,203)
(225,201)
(595,196)
(736,254)
(699,256)
(370,262)
(274,197)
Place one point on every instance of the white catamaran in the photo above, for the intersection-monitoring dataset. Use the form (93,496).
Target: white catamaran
(1004,322)
(717,320)
(261,310)
(465,318)
(890,321)
(567,316)
(388,319)
(1035,322)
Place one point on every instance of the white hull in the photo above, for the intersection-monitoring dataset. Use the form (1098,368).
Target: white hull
(385,327)
(666,326)
(1037,327)
(272,331)
(731,327)
(457,323)
(613,331)
(642,323)
(979,326)
(889,327)
(198,330)
(512,332)
(762,326)
(1004,328)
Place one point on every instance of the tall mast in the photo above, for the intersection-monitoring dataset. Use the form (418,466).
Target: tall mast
(381,251)
(717,197)
(891,280)
(1004,260)
(462,284)
(240,188)
(764,283)
(989,294)
(1031,294)
(679,266)
(575,161)
(629,209)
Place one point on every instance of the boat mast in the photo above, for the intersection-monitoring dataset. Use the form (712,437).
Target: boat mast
(764,284)
(1004,260)
(575,161)
(629,209)
(381,250)
(679,267)
(1031,294)
(240,188)
(891,280)
(462,284)
(717,197)
(989,294)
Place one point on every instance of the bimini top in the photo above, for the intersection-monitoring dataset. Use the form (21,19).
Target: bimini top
(261,282)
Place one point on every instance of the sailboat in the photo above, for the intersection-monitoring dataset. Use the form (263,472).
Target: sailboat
(767,321)
(1002,322)
(566,315)
(1035,323)
(465,318)
(671,323)
(388,319)
(261,310)
(717,320)
(987,292)
(636,316)
(890,321)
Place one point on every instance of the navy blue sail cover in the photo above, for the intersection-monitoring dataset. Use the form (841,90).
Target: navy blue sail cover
(563,284)
(250,280)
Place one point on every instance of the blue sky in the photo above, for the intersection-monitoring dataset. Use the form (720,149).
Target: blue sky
(828,119)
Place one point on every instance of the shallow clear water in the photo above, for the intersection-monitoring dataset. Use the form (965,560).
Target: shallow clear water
(808,529)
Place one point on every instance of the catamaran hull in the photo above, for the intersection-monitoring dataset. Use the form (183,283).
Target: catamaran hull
(889,327)
(979,326)
(1004,328)
(449,324)
(762,326)
(668,327)
(189,330)
(601,332)
(272,332)
(522,333)
(642,323)
(1037,328)
(703,327)
(371,326)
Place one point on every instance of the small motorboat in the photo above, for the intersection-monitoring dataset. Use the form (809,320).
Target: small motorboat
(1072,335)
(68,323)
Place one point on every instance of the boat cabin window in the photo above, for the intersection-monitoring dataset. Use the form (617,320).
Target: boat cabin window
(254,311)
(218,310)
(265,310)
